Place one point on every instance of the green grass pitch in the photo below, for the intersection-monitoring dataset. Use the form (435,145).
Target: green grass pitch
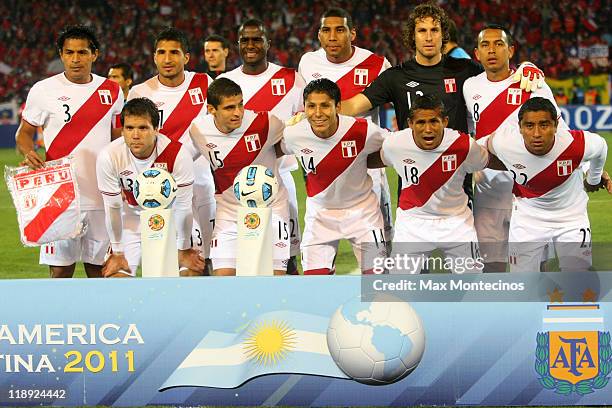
(18,261)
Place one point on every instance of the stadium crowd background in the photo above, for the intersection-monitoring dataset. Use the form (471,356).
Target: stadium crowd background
(564,37)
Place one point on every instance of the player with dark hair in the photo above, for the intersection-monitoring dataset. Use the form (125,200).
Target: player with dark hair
(118,165)
(493,99)
(76,110)
(352,69)
(232,138)
(180,96)
(333,151)
(452,48)
(122,74)
(268,87)
(432,161)
(549,190)
(216,50)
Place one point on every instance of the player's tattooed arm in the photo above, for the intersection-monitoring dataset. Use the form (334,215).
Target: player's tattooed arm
(375,161)
(25,144)
(605,183)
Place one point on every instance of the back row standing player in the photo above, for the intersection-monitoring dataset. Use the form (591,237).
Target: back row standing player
(352,69)
(76,110)
(180,97)
(493,100)
(267,87)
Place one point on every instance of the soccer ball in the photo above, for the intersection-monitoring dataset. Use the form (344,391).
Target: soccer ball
(255,186)
(376,342)
(154,188)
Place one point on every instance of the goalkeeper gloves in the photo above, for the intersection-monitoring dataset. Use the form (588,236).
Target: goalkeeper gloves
(530,76)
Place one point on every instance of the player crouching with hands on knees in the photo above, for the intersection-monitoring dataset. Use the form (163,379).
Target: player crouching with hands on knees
(550,199)
(118,165)
(232,138)
(432,161)
(333,151)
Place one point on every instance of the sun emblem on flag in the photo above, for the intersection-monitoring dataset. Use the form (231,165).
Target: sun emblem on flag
(269,342)
(156,222)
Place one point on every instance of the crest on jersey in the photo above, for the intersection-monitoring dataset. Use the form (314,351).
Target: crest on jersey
(252,142)
(161,166)
(196,95)
(564,168)
(514,96)
(349,149)
(360,77)
(449,162)
(105,97)
(450,86)
(278,87)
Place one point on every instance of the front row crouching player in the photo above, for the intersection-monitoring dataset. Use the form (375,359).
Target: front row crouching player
(231,138)
(118,165)
(333,151)
(432,162)
(550,200)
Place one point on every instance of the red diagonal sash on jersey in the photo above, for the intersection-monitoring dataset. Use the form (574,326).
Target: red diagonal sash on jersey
(167,157)
(88,116)
(549,178)
(498,111)
(432,179)
(239,157)
(48,214)
(353,83)
(185,111)
(334,163)
(270,94)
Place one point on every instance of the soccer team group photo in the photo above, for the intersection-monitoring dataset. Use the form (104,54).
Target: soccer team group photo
(266,168)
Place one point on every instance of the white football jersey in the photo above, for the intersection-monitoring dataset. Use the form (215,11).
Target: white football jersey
(76,120)
(277,90)
(491,105)
(432,180)
(548,188)
(351,76)
(336,167)
(178,107)
(118,169)
(228,153)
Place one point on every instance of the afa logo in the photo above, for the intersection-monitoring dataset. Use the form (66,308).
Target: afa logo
(573,361)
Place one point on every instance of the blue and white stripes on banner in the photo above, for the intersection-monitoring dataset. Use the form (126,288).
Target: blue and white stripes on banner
(288,342)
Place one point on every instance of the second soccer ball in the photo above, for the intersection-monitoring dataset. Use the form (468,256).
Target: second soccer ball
(255,186)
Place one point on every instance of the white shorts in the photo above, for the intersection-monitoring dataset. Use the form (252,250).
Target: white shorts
(380,187)
(492,226)
(294,225)
(224,242)
(89,248)
(362,225)
(528,242)
(417,238)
